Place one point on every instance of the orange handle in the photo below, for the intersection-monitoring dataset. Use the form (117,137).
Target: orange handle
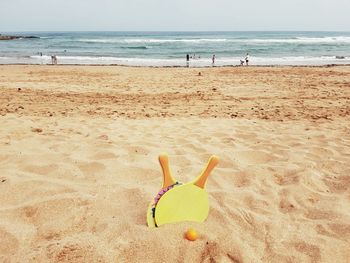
(167,177)
(202,179)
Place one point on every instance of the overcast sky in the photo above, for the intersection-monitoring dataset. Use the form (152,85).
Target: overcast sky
(166,15)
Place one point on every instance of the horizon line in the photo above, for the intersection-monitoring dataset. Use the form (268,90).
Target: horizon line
(15,31)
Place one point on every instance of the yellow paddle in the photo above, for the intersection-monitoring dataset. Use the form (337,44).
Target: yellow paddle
(175,202)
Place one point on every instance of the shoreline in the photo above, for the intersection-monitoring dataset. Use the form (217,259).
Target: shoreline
(190,67)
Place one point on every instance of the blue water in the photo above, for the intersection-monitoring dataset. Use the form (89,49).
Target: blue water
(170,48)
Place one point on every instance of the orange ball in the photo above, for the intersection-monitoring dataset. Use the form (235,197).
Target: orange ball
(191,234)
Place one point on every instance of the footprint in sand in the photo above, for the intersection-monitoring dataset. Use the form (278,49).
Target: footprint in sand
(73,252)
(286,205)
(338,231)
(91,168)
(138,150)
(241,179)
(40,169)
(313,181)
(311,251)
(337,184)
(287,176)
(104,155)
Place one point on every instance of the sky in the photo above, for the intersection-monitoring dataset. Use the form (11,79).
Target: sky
(175,15)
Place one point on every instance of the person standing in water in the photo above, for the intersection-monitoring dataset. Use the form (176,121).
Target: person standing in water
(213,60)
(187,60)
(247,59)
(53,60)
(41,57)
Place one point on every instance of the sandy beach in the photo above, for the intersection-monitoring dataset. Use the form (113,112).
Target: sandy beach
(78,162)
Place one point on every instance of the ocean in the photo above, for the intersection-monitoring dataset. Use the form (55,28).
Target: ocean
(170,48)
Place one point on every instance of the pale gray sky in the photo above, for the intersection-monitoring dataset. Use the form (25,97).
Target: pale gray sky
(163,15)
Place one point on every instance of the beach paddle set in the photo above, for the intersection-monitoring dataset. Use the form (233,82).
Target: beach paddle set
(176,202)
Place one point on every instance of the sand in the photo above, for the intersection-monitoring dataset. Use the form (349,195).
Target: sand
(78,162)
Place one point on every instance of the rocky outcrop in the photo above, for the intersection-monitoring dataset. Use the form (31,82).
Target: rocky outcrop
(6,37)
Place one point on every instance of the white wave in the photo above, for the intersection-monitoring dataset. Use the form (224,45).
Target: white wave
(182,40)
(100,40)
(41,57)
(306,40)
(311,40)
(202,62)
(150,40)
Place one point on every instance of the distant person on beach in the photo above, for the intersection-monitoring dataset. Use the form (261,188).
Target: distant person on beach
(41,57)
(213,60)
(247,59)
(187,60)
(53,60)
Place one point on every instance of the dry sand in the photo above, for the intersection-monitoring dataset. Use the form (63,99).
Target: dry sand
(78,162)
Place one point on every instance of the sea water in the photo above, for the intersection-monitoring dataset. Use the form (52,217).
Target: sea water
(170,48)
